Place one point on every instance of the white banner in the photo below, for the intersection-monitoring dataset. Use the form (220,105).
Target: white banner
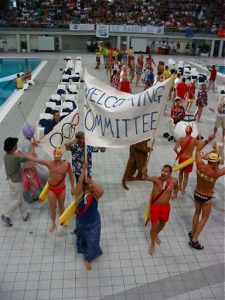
(137,29)
(82,27)
(61,133)
(115,119)
(102,31)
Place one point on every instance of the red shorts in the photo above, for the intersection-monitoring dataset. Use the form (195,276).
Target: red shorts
(57,191)
(160,213)
(187,169)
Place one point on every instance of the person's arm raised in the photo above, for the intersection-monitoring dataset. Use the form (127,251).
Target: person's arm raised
(33,158)
(70,143)
(97,190)
(201,145)
(71,176)
(221,172)
(79,186)
(148,178)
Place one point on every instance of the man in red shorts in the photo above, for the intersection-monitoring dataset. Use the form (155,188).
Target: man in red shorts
(165,187)
(187,145)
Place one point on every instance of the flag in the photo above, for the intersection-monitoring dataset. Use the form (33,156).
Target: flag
(63,132)
(116,119)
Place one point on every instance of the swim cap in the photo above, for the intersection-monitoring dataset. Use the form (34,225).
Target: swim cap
(188,129)
(213,157)
(57,152)
(28,131)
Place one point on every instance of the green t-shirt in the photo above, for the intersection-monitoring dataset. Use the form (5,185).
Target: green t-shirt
(12,167)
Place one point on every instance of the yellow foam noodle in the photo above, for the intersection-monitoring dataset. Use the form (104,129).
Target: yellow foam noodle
(44,193)
(69,212)
(184,164)
(147,211)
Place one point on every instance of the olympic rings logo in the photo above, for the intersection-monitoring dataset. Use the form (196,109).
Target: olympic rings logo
(68,131)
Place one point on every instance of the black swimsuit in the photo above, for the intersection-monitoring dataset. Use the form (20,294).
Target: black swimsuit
(201,198)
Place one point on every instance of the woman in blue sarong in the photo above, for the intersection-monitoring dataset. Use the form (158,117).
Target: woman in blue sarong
(88,223)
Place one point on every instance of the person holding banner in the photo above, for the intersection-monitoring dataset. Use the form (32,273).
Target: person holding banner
(165,187)
(58,170)
(136,162)
(88,222)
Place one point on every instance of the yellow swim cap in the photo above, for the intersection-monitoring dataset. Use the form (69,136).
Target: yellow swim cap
(57,152)
(213,157)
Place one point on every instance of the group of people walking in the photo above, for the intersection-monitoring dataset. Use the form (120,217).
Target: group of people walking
(87,192)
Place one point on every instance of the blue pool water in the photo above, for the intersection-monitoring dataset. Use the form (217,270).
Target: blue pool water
(221,69)
(11,66)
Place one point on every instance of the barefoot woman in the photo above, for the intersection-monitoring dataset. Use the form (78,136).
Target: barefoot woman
(164,188)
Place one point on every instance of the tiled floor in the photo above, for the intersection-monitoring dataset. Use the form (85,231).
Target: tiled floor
(35,264)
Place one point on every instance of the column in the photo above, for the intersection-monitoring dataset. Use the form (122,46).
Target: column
(118,42)
(18,43)
(128,42)
(60,42)
(28,43)
(212,48)
(220,48)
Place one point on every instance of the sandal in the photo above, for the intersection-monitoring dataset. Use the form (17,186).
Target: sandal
(196,245)
(190,234)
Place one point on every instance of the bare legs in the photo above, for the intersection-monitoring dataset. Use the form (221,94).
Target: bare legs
(53,199)
(223,133)
(155,230)
(183,181)
(188,107)
(198,113)
(138,78)
(197,223)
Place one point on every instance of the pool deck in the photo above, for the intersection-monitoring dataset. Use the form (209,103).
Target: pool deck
(35,264)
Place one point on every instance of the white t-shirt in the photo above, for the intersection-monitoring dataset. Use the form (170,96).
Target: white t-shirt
(26,147)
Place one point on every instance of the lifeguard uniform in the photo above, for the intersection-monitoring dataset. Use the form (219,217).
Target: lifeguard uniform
(19,83)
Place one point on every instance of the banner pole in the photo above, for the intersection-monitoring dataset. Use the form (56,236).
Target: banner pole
(149,155)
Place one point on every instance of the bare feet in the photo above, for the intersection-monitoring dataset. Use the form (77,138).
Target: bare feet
(52,228)
(87,265)
(62,230)
(152,249)
(157,240)
(182,192)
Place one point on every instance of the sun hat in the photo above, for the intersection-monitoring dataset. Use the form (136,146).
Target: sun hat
(213,157)
(10,143)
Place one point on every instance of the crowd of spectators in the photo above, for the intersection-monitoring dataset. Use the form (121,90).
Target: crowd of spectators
(203,16)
